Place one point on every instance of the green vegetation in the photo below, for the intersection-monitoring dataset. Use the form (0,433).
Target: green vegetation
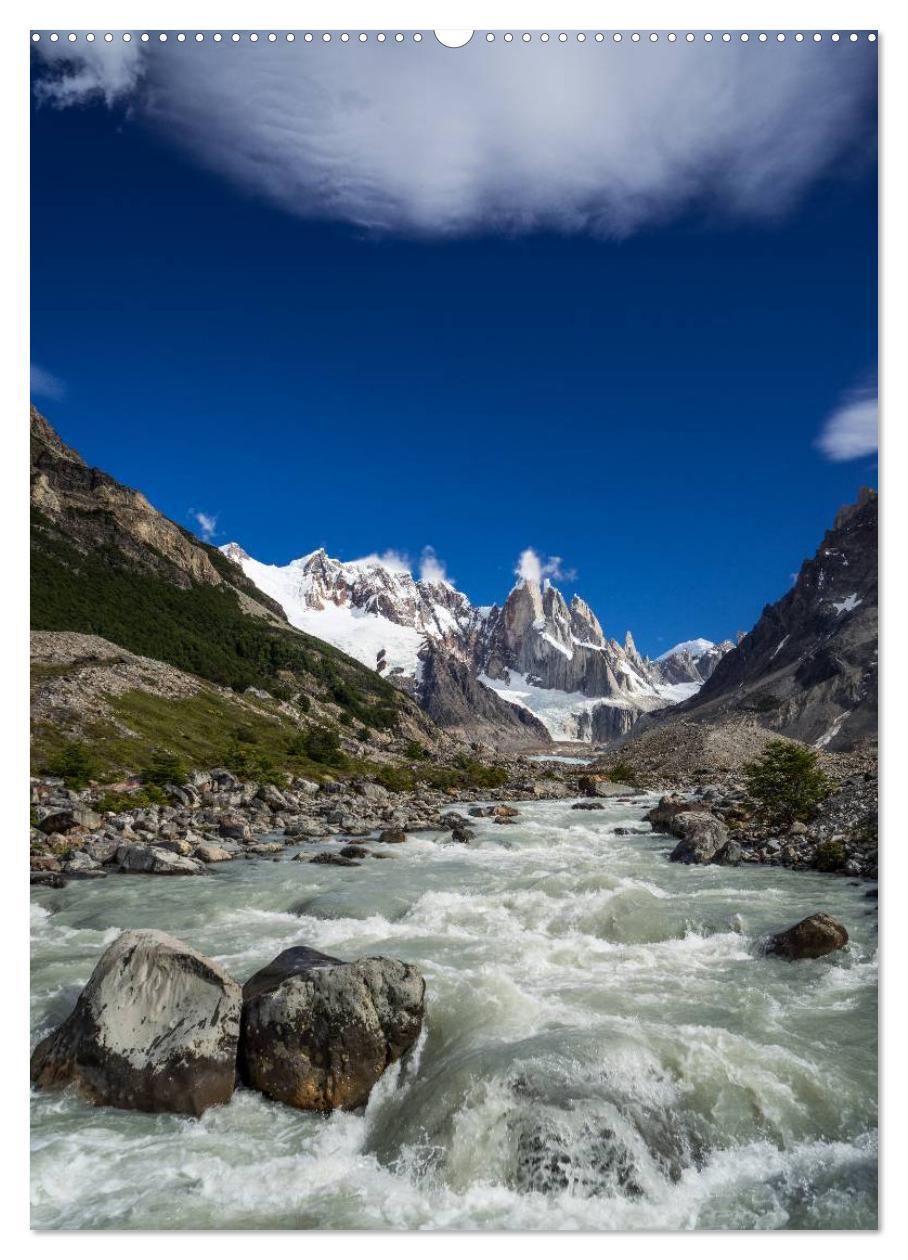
(118,802)
(787,782)
(73,761)
(172,737)
(201,629)
(623,772)
(831,855)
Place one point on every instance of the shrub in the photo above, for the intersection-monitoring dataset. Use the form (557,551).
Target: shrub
(121,802)
(165,767)
(75,763)
(623,772)
(322,744)
(830,855)
(787,782)
(414,751)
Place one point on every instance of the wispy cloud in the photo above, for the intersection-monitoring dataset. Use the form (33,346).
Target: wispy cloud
(533,568)
(393,561)
(44,384)
(207,524)
(431,569)
(851,431)
(598,138)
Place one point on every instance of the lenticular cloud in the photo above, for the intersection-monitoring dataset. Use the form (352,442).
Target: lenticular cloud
(419,139)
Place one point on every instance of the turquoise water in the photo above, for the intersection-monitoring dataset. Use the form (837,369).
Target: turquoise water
(605,1048)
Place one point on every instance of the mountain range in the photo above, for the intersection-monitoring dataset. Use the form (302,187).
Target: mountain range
(389,662)
(537,653)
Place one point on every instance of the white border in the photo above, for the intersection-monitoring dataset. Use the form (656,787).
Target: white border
(13,624)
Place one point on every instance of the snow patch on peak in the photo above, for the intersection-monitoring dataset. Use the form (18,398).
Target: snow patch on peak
(693,647)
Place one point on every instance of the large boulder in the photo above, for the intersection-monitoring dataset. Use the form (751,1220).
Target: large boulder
(318,1032)
(662,816)
(702,837)
(155,1029)
(150,859)
(80,816)
(813,937)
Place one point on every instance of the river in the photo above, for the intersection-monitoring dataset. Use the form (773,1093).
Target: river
(604,1048)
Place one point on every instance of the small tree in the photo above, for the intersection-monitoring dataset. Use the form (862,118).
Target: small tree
(165,767)
(75,763)
(787,782)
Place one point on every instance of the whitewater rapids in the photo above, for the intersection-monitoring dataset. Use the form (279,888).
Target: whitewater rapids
(604,1048)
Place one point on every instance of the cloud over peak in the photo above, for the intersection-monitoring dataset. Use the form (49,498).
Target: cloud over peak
(420,139)
(531,567)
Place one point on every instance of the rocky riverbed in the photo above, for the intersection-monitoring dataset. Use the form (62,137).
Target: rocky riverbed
(217,817)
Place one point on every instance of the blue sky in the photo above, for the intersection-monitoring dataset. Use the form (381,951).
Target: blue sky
(621,350)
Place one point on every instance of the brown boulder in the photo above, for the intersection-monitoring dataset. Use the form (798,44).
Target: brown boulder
(813,937)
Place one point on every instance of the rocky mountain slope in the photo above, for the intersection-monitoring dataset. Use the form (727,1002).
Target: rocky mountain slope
(808,668)
(106,564)
(536,652)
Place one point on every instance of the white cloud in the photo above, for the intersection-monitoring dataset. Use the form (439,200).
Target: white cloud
(44,384)
(851,430)
(393,561)
(533,568)
(421,139)
(86,72)
(431,569)
(207,524)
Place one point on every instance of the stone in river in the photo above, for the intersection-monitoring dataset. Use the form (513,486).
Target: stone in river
(155,1029)
(813,937)
(318,1033)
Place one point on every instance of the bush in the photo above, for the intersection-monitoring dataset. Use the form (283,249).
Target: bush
(830,855)
(787,782)
(321,744)
(165,767)
(74,763)
(623,772)
(122,802)
(414,751)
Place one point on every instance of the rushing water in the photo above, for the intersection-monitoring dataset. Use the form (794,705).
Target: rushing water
(604,1048)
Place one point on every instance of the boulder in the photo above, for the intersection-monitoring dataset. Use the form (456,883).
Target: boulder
(233,827)
(149,859)
(505,811)
(318,1033)
(176,844)
(81,866)
(462,835)
(47,879)
(813,937)
(44,862)
(155,1029)
(353,851)
(332,859)
(661,817)
(588,805)
(273,797)
(702,836)
(211,853)
(393,835)
(731,854)
(70,819)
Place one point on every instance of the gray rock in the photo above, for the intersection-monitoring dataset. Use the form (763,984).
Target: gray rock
(731,854)
(147,859)
(155,1029)
(333,859)
(81,866)
(211,853)
(702,834)
(318,1033)
(67,820)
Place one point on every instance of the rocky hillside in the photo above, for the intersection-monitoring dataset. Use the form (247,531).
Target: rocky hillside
(808,668)
(107,564)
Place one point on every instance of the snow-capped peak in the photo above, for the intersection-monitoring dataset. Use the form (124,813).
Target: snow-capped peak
(694,648)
